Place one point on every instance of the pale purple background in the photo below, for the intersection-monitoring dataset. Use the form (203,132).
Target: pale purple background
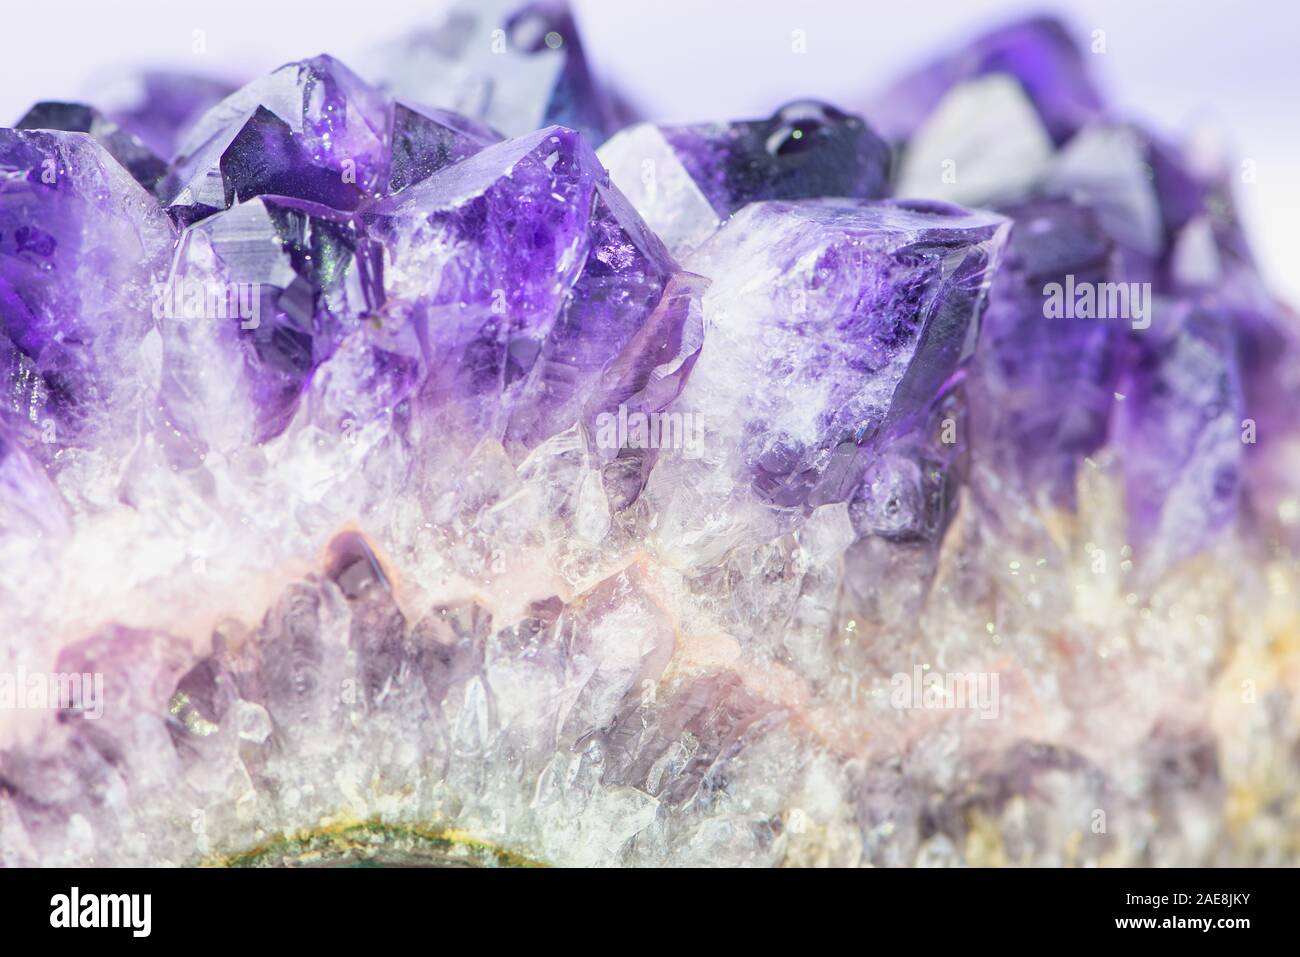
(1170,62)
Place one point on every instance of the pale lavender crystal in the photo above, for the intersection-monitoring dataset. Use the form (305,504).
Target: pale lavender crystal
(1038,53)
(1180,427)
(30,506)
(160,107)
(138,669)
(80,245)
(138,160)
(906,493)
(645,378)
(1268,348)
(515,65)
(1268,344)
(715,712)
(900,511)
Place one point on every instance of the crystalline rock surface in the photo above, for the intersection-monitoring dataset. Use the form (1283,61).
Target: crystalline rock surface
(424,462)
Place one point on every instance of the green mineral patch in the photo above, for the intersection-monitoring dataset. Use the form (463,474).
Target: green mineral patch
(374,844)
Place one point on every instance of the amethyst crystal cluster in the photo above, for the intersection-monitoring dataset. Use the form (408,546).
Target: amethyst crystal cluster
(425,464)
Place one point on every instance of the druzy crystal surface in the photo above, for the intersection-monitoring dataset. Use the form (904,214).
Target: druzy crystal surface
(408,464)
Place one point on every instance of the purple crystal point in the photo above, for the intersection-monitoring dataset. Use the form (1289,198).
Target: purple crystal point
(136,158)
(1269,352)
(529,272)
(1106,166)
(80,245)
(804,150)
(310,130)
(855,314)
(1207,245)
(1183,193)
(1043,387)
(1209,260)
(645,378)
(427,140)
(1171,217)
(515,66)
(577,102)
(258,297)
(907,490)
(482,255)
(1038,52)
(649,172)
(900,511)
(687,179)
(160,107)
(606,316)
